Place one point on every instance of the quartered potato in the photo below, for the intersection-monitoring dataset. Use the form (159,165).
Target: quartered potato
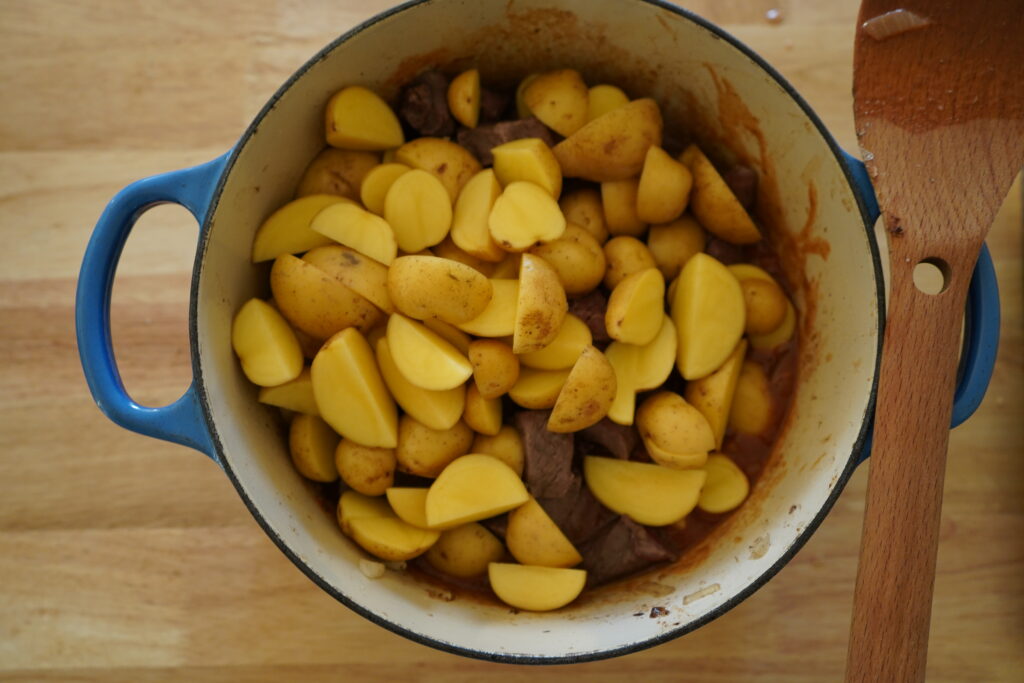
(355,227)
(495,367)
(528,159)
(559,99)
(425,452)
(712,395)
(316,302)
(709,313)
(464,98)
(561,353)
(583,208)
(612,146)
(619,201)
(369,471)
(523,215)
(424,357)
(537,589)
(364,276)
(431,287)
(482,415)
(648,494)
(472,488)
(714,204)
(664,188)
(533,538)
(470,230)
(726,486)
(337,172)
(448,162)
(357,118)
(288,231)
(522,110)
(465,551)
(636,307)
(506,446)
(586,395)
(601,99)
(541,306)
(311,443)
(296,395)
(435,409)
(640,368)
(377,182)
(265,345)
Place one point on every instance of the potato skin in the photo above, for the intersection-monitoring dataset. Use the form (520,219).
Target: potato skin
(424,451)
(317,303)
(612,146)
(586,395)
(495,367)
(576,257)
(429,286)
(625,255)
(370,471)
(506,446)
(337,171)
(465,551)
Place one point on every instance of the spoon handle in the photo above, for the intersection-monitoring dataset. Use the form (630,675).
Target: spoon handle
(896,575)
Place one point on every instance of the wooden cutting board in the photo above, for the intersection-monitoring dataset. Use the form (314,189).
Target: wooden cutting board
(122,558)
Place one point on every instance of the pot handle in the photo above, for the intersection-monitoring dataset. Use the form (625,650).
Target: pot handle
(182,421)
(981,319)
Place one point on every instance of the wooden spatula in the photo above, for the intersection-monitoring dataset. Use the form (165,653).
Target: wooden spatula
(939,106)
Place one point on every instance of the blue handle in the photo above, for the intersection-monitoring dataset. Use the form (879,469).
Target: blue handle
(981,319)
(182,421)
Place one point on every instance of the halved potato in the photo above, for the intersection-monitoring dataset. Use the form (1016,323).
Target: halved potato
(533,538)
(354,505)
(482,415)
(561,353)
(465,551)
(537,589)
(649,494)
(577,259)
(410,504)
(522,110)
(619,201)
(541,306)
(464,98)
(714,204)
(523,215)
(418,209)
(780,335)
(664,188)
(712,395)
(639,368)
(432,287)
(365,276)
(726,486)
(425,452)
(471,488)
(266,346)
(357,118)
(709,313)
(369,471)
(528,159)
(337,172)
(583,207)
(675,461)
(424,357)
(316,302)
(612,146)
(435,409)
(586,395)
(636,308)
(287,230)
(765,305)
(296,395)
(538,389)
(495,367)
(559,99)
(470,230)
(311,443)
(625,255)
(376,184)
(498,319)
(356,227)
(389,538)
(450,163)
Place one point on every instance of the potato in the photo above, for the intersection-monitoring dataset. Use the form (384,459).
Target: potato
(424,357)
(583,208)
(369,471)
(673,244)
(357,118)
(316,302)
(424,451)
(418,209)
(287,231)
(573,336)
(337,171)
(625,256)
(586,395)
(470,230)
(541,306)
(354,505)
(649,494)
(714,204)
(296,395)
(435,409)
(495,367)
(465,551)
(389,538)
(376,184)
(765,305)
(675,461)
(265,344)
(350,392)
(752,404)
(709,313)
(311,443)
(523,215)
(577,259)
(712,395)
(672,424)
(450,163)
(559,99)
(664,189)
(538,389)
(507,268)
(534,539)
(618,199)
(746,271)
(726,486)
(365,276)
(449,333)
(639,368)
(522,110)
(447,249)
(636,308)
(537,589)
(499,318)
(780,335)
(464,98)
(528,159)
(472,488)
(601,99)
(612,146)
(410,504)
(506,446)
(482,415)
(432,287)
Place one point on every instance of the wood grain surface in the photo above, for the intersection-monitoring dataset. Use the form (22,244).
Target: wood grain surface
(127,559)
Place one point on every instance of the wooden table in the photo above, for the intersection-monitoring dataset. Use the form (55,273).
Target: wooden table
(122,558)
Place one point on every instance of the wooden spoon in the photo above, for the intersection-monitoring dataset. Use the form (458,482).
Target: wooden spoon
(939,107)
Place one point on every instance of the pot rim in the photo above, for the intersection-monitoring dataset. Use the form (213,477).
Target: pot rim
(802,538)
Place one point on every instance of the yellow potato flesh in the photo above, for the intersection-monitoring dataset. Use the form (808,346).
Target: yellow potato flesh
(316,302)
(782,334)
(601,99)
(483,415)
(726,487)
(649,494)
(311,443)
(619,201)
(350,392)
(424,357)
(664,188)
(583,207)
(337,172)
(675,243)
(471,488)
(675,461)
(451,164)
(498,319)
(356,227)
(639,368)
(541,307)
(528,159)
(465,551)
(714,204)
(365,276)
(287,230)
(418,209)
(354,505)
(635,310)
(296,395)
(450,333)
(538,389)
(534,539)
(537,589)
(752,404)
(708,310)
(587,394)
(523,215)
(464,98)
(389,538)
(376,184)
(507,268)
(559,99)
(447,249)
(623,361)
(506,446)
(522,109)
(470,231)
(357,118)
(573,336)
(612,146)
(674,425)
(410,504)
(435,409)
(422,287)
(712,395)
(266,346)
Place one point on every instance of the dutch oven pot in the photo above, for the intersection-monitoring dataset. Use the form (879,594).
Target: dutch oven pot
(816,203)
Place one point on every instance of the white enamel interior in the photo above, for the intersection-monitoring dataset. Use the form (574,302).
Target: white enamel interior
(649,50)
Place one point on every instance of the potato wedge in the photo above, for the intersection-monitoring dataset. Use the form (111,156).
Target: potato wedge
(664,189)
(418,210)
(470,230)
(534,539)
(670,423)
(601,99)
(726,486)
(357,118)
(714,204)
(425,452)
(315,302)
(528,159)
(311,443)
(432,287)
(619,201)
(465,551)
(338,172)
(369,471)
(365,276)
(523,215)
(563,351)
(649,494)
(464,98)
(265,344)
(709,313)
(410,504)
(752,404)
(577,259)
(424,357)
(482,415)
(636,308)
(472,488)
(296,395)
(673,244)
(450,163)
(612,146)
(712,395)
(537,589)
(559,99)
(435,409)
(377,182)
(354,505)
(586,395)
(506,446)
(625,255)
(583,207)
(287,230)
(498,319)
(389,538)
(541,306)
(538,389)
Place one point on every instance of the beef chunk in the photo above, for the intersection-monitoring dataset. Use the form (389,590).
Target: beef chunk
(618,440)
(482,139)
(726,252)
(496,525)
(623,547)
(493,104)
(742,180)
(590,309)
(423,105)
(548,456)
(577,513)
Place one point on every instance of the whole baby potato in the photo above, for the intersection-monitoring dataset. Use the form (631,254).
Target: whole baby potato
(674,425)
(625,255)
(338,172)
(369,471)
(583,207)
(465,551)
(495,367)
(428,286)
(672,244)
(424,451)
(506,446)
(576,257)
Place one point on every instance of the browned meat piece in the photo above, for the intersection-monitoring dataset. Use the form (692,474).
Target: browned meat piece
(742,180)
(548,456)
(493,104)
(423,105)
(482,139)
(590,309)
(726,252)
(496,525)
(623,547)
(618,440)
(577,513)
